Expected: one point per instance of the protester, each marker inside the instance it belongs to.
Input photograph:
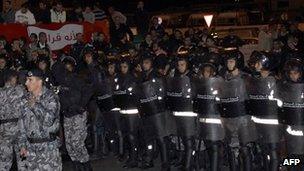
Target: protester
(8, 14)
(43, 14)
(141, 19)
(99, 14)
(25, 16)
(58, 14)
(118, 15)
(76, 15)
(88, 15)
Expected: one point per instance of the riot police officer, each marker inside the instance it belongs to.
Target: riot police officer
(210, 124)
(291, 108)
(116, 141)
(153, 111)
(239, 128)
(126, 99)
(262, 105)
(180, 102)
(74, 99)
(43, 63)
(95, 75)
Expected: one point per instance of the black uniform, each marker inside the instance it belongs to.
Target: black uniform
(180, 102)
(210, 124)
(262, 105)
(126, 100)
(239, 128)
(154, 113)
(74, 98)
(96, 77)
(291, 115)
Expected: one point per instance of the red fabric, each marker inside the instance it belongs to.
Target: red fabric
(15, 31)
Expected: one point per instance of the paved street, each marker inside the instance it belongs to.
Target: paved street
(109, 164)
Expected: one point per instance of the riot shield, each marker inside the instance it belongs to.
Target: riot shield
(292, 97)
(205, 98)
(151, 97)
(179, 94)
(262, 95)
(119, 92)
(104, 98)
(125, 92)
(232, 97)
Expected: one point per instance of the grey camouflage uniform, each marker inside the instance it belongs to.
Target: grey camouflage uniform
(9, 132)
(75, 132)
(38, 122)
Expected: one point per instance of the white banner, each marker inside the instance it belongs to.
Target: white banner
(58, 39)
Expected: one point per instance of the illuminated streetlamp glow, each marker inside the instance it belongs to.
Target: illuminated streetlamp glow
(208, 19)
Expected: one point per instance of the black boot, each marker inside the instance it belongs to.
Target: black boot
(96, 154)
(189, 144)
(147, 159)
(120, 146)
(164, 152)
(273, 160)
(76, 166)
(104, 145)
(86, 166)
(233, 159)
(165, 167)
(179, 153)
(132, 161)
(246, 158)
(214, 157)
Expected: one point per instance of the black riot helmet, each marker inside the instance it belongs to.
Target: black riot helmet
(125, 66)
(293, 70)
(88, 53)
(147, 56)
(112, 53)
(182, 52)
(69, 63)
(45, 60)
(262, 61)
(253, 59)
(213, 58)
(182, 65)
(235, 55)
(208, 69)
(9, 75)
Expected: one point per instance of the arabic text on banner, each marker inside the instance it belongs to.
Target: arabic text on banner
(58, 39)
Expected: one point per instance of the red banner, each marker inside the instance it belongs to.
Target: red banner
(15, 31)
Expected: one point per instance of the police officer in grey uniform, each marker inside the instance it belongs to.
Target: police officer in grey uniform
(239, 129)
(10, 94)
(40, 109)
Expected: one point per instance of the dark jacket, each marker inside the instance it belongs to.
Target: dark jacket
(117, 33)
(141, 18)
(74, 94)
(43, 16)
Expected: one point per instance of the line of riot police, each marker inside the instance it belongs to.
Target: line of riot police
(197, 110)
(216, 114)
